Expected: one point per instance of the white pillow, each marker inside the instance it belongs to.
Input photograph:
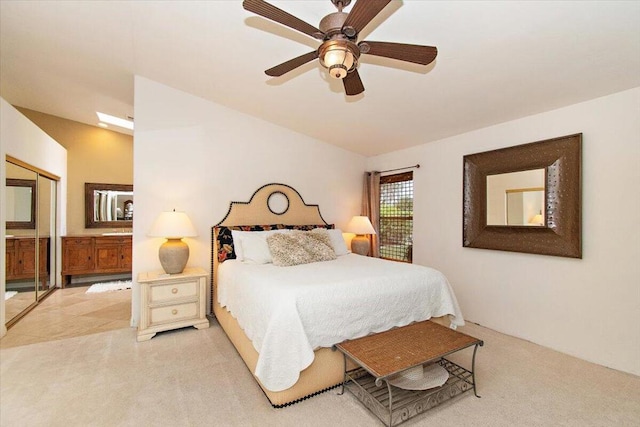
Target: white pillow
(251, 246)
(337, 241)
(255, 249)
(237, 246)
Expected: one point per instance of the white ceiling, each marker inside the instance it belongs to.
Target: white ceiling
(497, 61)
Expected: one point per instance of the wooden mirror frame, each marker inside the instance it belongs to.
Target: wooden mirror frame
(89, 189)
(24, 225)
(561, 236)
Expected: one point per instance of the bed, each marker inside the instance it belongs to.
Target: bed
(283, 321)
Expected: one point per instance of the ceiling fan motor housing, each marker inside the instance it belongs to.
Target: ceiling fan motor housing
(331, 24)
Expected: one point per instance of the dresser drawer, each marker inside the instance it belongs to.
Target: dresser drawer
(173, 313)
(172, 291)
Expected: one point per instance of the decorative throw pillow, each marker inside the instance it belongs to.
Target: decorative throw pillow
(321, 234)
(297, 248)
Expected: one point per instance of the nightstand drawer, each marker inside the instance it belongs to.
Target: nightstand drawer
(172, 291)
(173, 313)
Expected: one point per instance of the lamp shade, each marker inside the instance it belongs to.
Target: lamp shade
(172, 225)
(360, 225)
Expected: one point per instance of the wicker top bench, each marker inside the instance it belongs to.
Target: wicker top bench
(393, 351)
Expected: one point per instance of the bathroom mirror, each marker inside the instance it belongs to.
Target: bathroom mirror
(21, 204)
(559, 160)
(108, 205)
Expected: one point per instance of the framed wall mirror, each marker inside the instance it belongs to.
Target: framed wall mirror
(21, 204)
(108, 205)
(525, 198)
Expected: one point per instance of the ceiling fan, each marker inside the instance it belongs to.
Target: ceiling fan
(340, 50)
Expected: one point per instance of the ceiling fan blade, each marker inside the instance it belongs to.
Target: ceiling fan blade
(262, 8)
(352, 83)
(285, 67)
(361, 14)
(404, 52)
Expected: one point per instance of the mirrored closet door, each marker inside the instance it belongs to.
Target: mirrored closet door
(46, 235)
(30, 205)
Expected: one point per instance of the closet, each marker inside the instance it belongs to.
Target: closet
(30, 264)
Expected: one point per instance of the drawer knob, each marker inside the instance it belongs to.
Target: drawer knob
(174, 290)
(174, 311)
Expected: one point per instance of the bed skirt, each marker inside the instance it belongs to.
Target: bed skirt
(326, 371)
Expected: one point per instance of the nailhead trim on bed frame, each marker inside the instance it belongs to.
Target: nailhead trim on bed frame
(284, 405)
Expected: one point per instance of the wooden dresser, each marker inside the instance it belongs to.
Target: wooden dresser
(95, 255)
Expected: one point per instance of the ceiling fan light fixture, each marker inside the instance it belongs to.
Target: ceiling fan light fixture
(339, 62)
(338, 71)
(338, 57)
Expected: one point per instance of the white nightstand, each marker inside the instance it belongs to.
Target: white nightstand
(171, 301)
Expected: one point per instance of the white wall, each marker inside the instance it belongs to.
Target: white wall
(23, 140)
(589, 308)
(197, 156)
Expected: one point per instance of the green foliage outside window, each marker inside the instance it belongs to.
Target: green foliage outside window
(396, 220)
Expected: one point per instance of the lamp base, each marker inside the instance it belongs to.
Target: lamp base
(173, 254)
(360, 245)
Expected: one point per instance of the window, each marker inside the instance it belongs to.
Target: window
(396, 217)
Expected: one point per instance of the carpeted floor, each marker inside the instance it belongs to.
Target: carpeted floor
(195, 378)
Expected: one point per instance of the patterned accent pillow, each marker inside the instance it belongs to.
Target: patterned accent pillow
(300, 248)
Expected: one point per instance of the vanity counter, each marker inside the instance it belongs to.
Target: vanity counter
(95, 254)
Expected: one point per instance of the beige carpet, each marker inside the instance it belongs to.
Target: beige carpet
(195, 378)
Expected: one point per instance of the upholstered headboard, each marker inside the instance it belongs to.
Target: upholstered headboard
(263, 208)
(272, 206)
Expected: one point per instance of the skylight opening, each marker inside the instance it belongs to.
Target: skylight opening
(116, 121)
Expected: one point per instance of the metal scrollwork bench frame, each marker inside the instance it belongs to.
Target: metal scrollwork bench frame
(380, 356)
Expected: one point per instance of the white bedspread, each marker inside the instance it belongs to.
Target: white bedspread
(287, 312)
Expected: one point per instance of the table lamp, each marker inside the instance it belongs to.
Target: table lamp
(174, 253)
(361, 227)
